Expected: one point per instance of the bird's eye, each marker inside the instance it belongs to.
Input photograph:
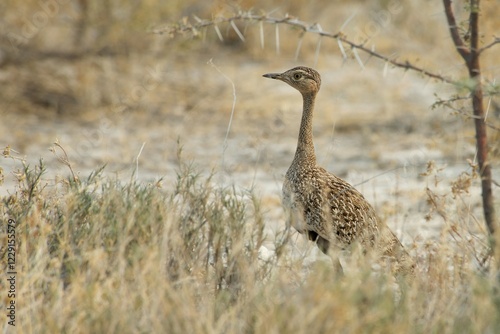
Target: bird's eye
(297, 76)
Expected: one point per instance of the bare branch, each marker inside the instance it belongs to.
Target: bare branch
(406, 65)
(306, 28)
(474, 27)
(484, 48)
(455, 35)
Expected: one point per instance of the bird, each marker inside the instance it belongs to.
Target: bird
(324, 207)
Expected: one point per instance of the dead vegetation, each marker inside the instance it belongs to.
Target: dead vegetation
(119, 249)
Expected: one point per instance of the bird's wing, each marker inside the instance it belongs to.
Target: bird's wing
(349, 215)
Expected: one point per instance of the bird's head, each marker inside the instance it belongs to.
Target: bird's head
(304, 79)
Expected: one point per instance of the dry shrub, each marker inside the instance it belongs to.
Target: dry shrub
(99, 255)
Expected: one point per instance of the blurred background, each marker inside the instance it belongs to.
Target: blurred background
(93, 76)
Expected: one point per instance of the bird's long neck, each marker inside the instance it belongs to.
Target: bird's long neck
(305, 145)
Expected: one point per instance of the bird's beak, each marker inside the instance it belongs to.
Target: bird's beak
(273, 76)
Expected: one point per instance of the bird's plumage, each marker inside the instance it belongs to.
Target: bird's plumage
(323, 206)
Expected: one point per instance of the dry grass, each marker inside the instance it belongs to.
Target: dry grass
(99, 255)
(115, 250)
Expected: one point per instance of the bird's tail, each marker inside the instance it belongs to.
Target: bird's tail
(390, 248)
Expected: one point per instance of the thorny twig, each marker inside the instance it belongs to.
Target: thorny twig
(455, 34)
(186, 27)
(484, 48)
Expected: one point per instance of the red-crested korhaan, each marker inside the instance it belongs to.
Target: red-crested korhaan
(330, 211)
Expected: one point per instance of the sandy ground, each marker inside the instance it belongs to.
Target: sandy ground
(373, 126)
